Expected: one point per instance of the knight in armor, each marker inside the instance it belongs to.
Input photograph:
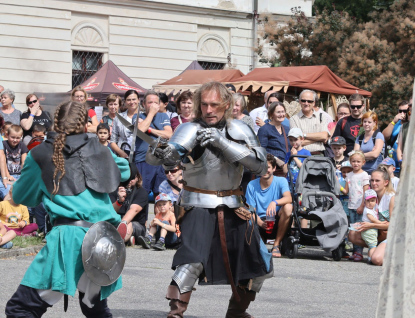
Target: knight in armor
(220, 240)
(72, 175)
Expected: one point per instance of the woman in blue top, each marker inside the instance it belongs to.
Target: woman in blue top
(63, 173)
(273, 136)
(372, 143)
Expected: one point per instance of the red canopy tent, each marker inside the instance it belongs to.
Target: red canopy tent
(319, 78)
(192, 79)
(109, 79)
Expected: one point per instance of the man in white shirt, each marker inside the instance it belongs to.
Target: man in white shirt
(318, 110)
(314, 129)
(260, 114)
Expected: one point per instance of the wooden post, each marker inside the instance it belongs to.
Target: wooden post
(333, 100)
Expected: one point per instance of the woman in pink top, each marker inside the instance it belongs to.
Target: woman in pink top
(184, 104)
(343, 110)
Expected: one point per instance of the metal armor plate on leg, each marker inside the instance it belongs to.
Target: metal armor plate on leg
(186, 276)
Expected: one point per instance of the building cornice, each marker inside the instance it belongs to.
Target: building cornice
(152, 5)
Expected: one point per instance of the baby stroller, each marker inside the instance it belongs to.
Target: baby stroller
(314, 199)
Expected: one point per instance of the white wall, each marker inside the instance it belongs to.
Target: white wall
(239, 5)
(151, 41)
(34, 50)
(284, 7)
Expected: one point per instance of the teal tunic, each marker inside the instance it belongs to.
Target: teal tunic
(58, 265)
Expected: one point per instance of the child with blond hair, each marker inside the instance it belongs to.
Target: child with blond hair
(357, 182)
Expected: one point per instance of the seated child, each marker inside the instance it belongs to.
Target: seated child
(370, 236)
(38, 134)
(5, 237)
(163, 226)
(338, 145)
(5, 130)
(389, 163)
(15, 217)
(103, 133)
(15, 152)
(296, 138)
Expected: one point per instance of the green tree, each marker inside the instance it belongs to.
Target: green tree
(357, 9)
(378, 55)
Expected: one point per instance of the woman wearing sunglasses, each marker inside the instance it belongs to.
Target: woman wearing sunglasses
(34, 115)
(172, 185)
(8, 112)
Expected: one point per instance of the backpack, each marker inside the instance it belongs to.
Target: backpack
(361, 137)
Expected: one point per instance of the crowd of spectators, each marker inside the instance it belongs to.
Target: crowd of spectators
(357, 148)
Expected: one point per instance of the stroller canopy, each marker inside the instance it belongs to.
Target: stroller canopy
(317, 173)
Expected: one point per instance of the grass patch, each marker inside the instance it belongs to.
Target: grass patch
(25, 241)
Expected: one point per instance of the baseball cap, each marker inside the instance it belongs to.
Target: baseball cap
(295, 132)
(162, 197)
(388, 162)
(346, 164)
(338, 140)
(369, 194)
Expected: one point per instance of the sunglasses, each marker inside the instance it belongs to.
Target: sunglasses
(356, 106)
(171, 171)
(307, 101)
(403, 110)
(32, 102)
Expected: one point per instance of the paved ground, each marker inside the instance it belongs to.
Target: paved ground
(311, 286)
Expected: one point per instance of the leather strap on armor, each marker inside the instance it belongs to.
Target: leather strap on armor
(222, 234)
(67, 221)
(221, 193)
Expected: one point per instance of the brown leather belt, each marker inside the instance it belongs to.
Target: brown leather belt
(222, 234)
(221, 193)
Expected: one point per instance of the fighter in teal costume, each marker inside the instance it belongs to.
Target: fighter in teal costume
(71, 174)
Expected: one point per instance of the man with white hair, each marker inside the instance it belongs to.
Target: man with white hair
(214, 149)
(313, 126)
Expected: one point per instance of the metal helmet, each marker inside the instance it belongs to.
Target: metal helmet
(103, 253)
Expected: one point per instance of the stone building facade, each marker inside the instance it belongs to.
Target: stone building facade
(50, 45)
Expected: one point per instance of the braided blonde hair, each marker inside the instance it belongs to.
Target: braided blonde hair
(70, 119)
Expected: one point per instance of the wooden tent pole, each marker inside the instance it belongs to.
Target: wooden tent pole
(333, 100)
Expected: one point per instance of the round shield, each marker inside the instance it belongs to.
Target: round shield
(103, 253)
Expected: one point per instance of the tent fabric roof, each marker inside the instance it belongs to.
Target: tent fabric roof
(319, 78)
(109, 79)
(193, 66)
(192, 79)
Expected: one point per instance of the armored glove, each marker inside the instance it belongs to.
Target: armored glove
(162, 152)
(212, 136)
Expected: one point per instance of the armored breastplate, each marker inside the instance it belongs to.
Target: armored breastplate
(211, 171)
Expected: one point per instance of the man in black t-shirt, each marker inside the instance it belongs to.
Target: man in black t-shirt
(131, 203)
(349, 127)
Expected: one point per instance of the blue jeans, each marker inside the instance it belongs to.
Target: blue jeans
(39, 213)
(170, 238)
(345, 203)
(4, 190)
(354, 217)
(152, 176)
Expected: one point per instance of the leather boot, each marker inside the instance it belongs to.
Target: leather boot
(178, 302)
(238, 309)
